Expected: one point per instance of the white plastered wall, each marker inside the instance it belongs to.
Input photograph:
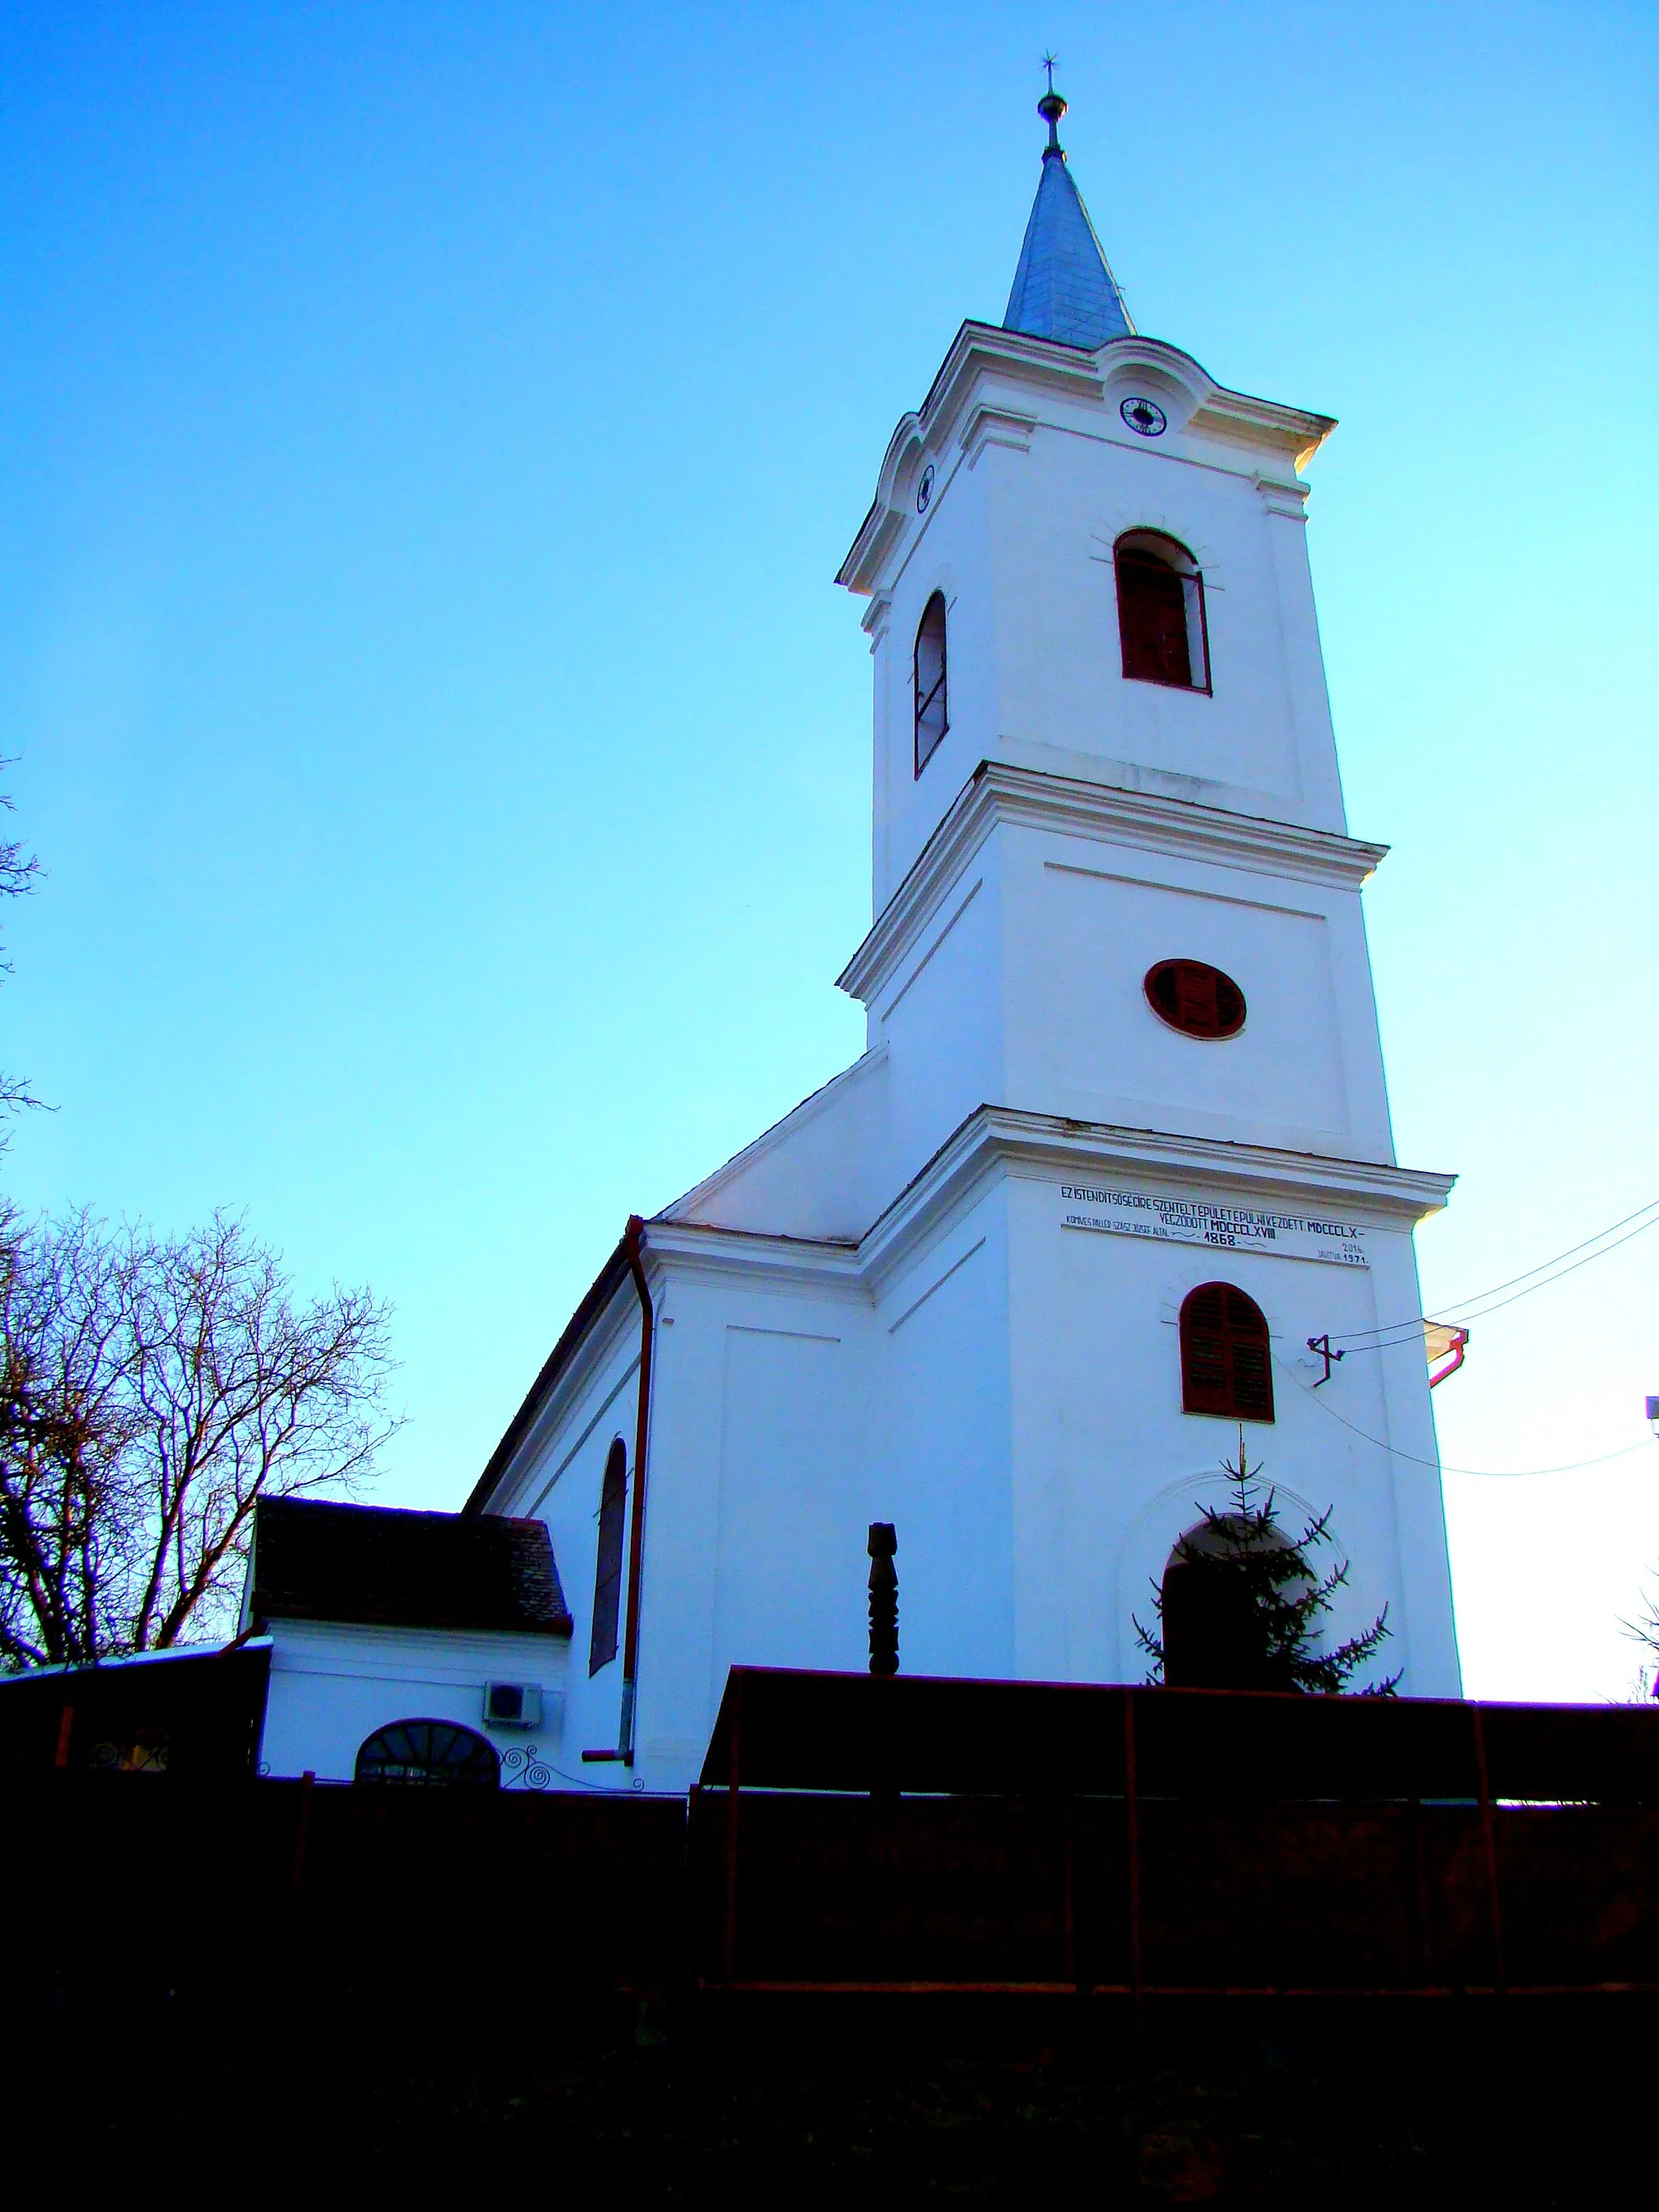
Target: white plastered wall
(1109, 1470)
(334, 1684)
(1019, 535)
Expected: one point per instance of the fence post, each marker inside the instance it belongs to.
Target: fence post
(1071, 1973)
(302, 1851)
(1489, 1836)
(1132, 1816)
(729, 1949)
(1423, 1917)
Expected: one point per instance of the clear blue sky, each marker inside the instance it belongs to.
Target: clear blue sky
(427, 437)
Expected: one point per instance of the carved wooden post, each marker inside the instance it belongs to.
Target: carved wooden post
(884, 1599)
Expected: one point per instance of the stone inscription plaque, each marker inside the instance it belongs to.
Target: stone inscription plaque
(1225, 1228)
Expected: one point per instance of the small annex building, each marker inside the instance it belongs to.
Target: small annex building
(1117, 1156)
(403, 1646)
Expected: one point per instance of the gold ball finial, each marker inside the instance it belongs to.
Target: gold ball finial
(1051, 108)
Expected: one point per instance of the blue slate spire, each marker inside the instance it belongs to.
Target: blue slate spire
(1063, 287)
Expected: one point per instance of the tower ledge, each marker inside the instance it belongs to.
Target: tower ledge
(1102, 812)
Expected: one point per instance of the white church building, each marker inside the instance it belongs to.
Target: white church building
(1117, 1150)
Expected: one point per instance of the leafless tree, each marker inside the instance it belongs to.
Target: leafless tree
(18, 871)
(151, 1390)
(1645, 1632)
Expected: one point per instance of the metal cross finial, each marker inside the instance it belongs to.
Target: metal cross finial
(1051, 108)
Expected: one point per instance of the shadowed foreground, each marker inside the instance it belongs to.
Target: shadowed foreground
(986, 2102)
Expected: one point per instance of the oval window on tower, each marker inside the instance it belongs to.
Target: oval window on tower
(1195, 999)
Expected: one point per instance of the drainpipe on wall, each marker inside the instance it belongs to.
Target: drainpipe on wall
(633, 1246)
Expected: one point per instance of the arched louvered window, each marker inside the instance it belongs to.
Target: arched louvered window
(1160, 612)
(429, 1755)
(1225, 1365)
(933, 706)
(607, 1573)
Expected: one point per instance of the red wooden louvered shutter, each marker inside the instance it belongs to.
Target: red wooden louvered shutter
(1196, 995)
(1226, 1365)
(1151, 613)
(1205, 1378)
(1196, 999)
(1229, 1004)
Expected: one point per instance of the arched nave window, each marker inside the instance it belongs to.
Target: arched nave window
(932, 719)
(1160, 612)
(429, 1755)
(607, 1572)
(1225, 1363)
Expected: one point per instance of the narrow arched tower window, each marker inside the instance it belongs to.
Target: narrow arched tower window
(1226, 1366)
(607, 1572)
(1160, 612)
(933, 712)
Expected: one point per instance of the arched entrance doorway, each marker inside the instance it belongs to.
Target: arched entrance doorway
(1212, 1624)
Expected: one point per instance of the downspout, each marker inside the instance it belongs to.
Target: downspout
(633, 1245)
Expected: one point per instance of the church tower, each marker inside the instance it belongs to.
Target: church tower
(1118, 1150)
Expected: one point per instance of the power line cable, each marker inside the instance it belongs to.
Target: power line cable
(1475, 1297)
(1484, 1474)
(1481, 1312)
(1474, 1309)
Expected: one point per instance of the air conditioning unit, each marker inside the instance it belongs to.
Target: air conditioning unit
(513, 1704)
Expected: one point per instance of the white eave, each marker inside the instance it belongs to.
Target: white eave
(1047, 1147)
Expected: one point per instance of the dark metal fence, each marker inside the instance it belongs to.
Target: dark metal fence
(906, 1835)
(855, 1833)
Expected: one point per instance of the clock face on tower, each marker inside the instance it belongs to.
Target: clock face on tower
(1145, 417)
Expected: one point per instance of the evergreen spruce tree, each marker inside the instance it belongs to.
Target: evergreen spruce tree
(1250, 1602)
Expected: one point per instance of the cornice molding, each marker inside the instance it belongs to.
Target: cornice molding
(982, 350)
(704, 1248)
(995, 426)
(992, 1140)
(1104, 814)
(1045, 1147)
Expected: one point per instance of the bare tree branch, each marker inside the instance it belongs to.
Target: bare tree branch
(151, 1390)
(18, 871)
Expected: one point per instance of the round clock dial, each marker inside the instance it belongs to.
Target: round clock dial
(925, 490)
(1145, 417)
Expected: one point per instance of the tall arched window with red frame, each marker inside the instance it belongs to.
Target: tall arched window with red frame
(1162, 624)
(1226, 1364)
